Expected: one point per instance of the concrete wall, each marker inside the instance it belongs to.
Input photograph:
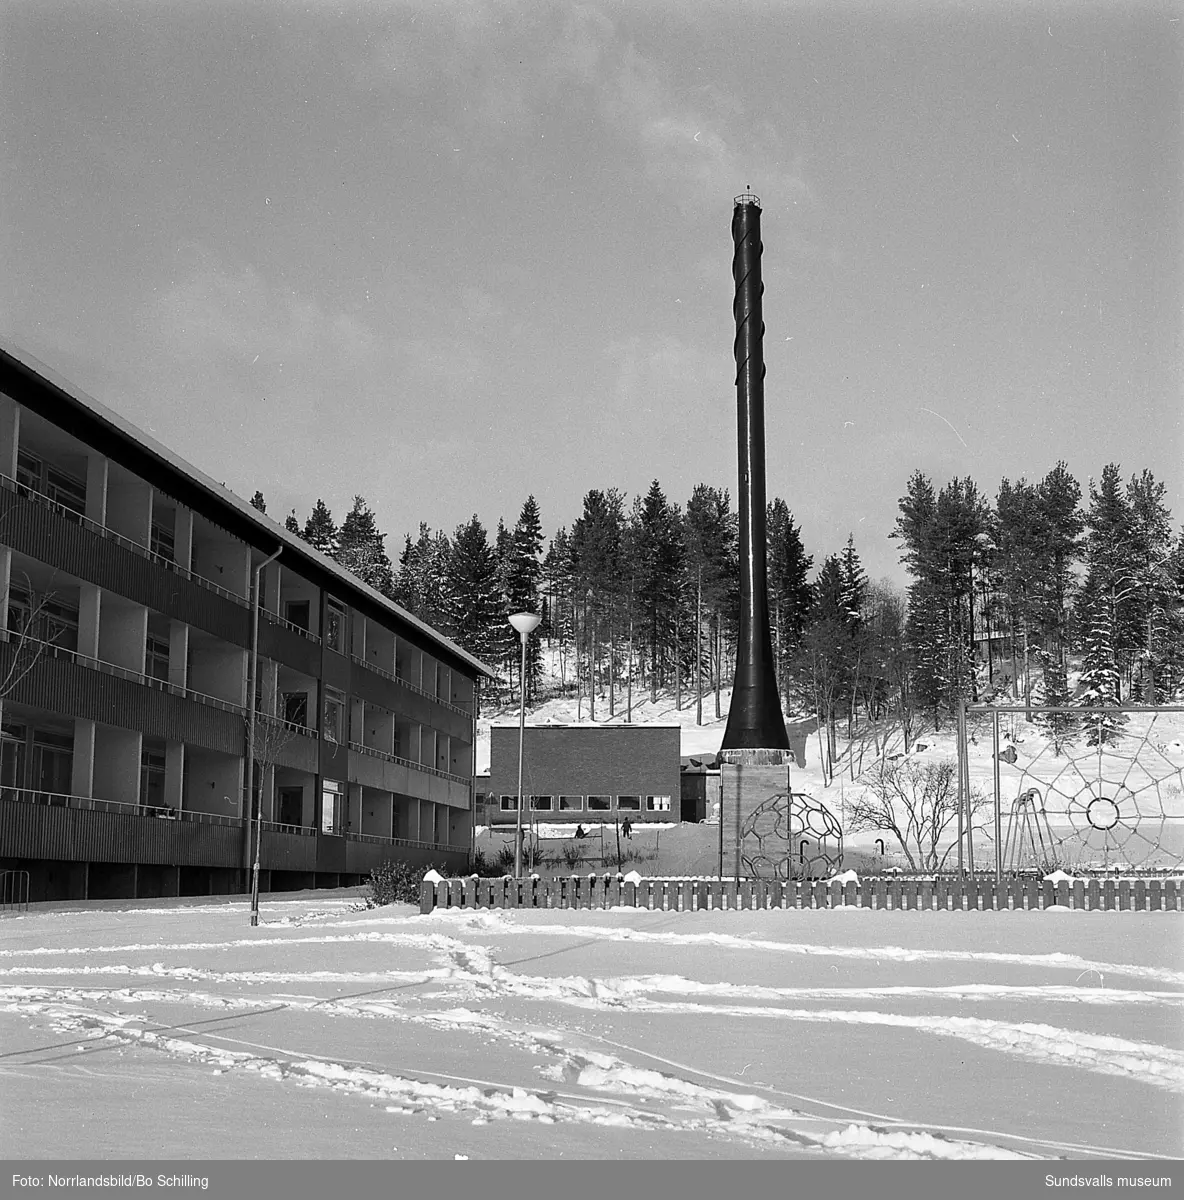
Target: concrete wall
(218, 669)
(117, 764)
(129, 506)
(123, 632)
(213, 782)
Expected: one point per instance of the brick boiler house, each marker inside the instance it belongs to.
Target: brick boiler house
(583, 773)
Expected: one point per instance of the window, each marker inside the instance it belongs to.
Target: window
(28, 470)
(296, 708)
(65, 490)
(571, 803)
(291, 806)
(657, 804)
(333, 716)
(60, 623)
(156, 658)
(12, 755)
(541, 803)
(509, 804)
(53, 761)
(629, 803)
(61, 487)
(20, 606)
(599, 803)
(152, 779)
(163, 540)
(332, 807)
(296, 613)
(335, 626)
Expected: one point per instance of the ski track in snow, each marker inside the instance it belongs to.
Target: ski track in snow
(590, 1087)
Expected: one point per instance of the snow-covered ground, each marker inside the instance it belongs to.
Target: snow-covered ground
(334, 1032)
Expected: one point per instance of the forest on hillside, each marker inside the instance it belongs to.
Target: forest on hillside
(1046, 594)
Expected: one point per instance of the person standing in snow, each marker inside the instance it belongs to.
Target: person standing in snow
(627, 828)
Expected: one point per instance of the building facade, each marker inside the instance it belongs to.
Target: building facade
(127, 627)
(583, 774)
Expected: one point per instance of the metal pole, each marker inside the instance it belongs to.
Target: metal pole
(998, 799)
(252, 676)
(961, 718)
(521, 739)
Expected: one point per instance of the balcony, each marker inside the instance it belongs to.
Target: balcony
(76, 518)
(411, 687)
(46, 825)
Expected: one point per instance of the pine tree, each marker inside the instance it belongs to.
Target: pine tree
(558, 578)
(292, 525)
(711, 575)
(258, 502)
(320, 532)
(596, 545)
(361, 548)
(1061, 527)
(1149, 566)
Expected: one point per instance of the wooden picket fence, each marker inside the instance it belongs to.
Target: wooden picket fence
(704, 895)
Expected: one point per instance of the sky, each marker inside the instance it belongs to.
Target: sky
(446, 255)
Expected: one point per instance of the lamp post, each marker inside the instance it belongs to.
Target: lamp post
(525, 623)
(254, 675)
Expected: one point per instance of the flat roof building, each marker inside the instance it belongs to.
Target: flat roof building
(584, 773)
(125, 659)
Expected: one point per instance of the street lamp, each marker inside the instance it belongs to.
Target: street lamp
(525, 623)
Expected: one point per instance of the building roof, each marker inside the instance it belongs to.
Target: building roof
(240, 517)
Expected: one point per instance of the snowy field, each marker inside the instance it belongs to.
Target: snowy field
(332, 1032)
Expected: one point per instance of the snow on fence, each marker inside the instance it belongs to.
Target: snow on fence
(702, 895)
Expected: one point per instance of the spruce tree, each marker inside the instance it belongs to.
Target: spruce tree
(790, 596)
(361, 548)
(523, 575)
(474, 600)
(258, 502)
(320, 531)
(292, 525)
(659, 562)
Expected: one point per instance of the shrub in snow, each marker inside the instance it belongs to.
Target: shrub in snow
(397, 883)
(632, 877)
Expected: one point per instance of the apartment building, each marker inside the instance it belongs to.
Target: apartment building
(131, 633)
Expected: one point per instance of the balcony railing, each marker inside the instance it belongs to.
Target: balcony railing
(63, 800)
(276, 619)
(106, 668)
(406, 762)
(21, 489)
(164, 812)
(411, 687)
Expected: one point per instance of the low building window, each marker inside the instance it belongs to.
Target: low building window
(571, 803)
(509, 804)
(541, 803)
(599, 803)
(657, 804)
(629, 803)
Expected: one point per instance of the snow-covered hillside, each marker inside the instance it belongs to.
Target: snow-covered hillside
(1122, 805)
